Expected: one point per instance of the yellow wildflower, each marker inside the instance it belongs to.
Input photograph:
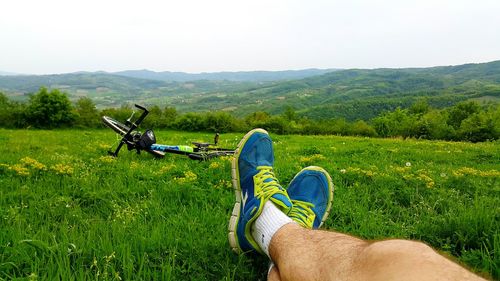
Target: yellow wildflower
(367, 173)
(30, 162)
(104, 146)
(223, 184)
(490, 173)
(62, 169)
(429, 182)
(473, 172)
(165, 168)
(214, 165)
(188, 177)
(354, 170)
(19, 170)
(401, 170)
(464, 171)
(134, 165)
(107, 159)
(226, 158)
(312, 158)
(408, 177)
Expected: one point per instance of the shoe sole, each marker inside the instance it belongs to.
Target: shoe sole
(331, 188)
(235, 175)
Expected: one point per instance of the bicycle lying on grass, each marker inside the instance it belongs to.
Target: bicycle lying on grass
(137, 141)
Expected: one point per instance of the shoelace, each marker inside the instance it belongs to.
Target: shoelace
(267, 187)
(302, 213)
(267, 182)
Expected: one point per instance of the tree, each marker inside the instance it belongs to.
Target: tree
(87, 114)
(361, 128)
(190, 122)
(121, 114)
(4, 110)
(290, 114)
(257, 119)
(154, 119)
(460, 112)
(396, 123)
(169, 115)
(433, 125)
(420, 107)
(276, 124)
(49, 110)
(219, 122)
(477, 127)
(495, 118)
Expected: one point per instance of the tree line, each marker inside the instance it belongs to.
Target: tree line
(464, 121)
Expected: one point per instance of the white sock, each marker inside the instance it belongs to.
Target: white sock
(267, 224)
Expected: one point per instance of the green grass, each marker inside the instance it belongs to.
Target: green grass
(69, 212)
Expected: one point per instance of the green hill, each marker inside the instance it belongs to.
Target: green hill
(363, 94)
(109, 90)
(351, 94)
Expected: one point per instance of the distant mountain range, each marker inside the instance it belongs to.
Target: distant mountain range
(168, 76)
(351, 94)
(111, 89)
(240, 76)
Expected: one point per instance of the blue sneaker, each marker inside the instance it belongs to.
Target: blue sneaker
(254, 184)
(311, 191)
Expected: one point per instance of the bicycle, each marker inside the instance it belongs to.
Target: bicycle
(135, 140)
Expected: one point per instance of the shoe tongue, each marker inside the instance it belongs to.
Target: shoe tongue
(281, 200)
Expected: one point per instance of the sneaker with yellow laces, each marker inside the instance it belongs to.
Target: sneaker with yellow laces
(311, 191)
(255, 184)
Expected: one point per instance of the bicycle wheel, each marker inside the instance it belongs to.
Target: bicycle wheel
(116, 126)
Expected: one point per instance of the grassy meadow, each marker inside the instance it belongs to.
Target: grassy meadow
(70, 212)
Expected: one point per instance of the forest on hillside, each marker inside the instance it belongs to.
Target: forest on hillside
(468, 120)
(354, 94)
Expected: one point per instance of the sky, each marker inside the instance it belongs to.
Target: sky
(60, 36)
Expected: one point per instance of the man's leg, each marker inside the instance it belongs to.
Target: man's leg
(303, 254)
(311, 192)
(273, 274)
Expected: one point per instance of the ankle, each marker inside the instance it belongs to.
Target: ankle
(270, 221)
(280, 243)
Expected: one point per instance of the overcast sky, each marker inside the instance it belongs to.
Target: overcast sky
(58, 36)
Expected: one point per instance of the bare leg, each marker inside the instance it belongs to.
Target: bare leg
(274, 274)
(303, 254)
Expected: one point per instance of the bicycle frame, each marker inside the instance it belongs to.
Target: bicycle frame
(133, 139)
(128, 138)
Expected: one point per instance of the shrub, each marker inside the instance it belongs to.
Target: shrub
(49, 110)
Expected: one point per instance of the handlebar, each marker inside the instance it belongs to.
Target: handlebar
(128, 138)
(141, 107)
(144, 113)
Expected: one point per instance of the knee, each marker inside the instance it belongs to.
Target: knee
(397, 245)
(397, 250)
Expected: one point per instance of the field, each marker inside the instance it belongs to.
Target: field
(69, 212)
